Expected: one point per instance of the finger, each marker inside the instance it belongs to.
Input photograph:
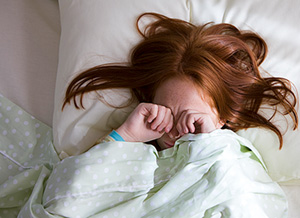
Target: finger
(190, 121)
(181, 124)
(174, 134)
(170, 124)
(152, 110)
(167, 122)
(159, 117)
(206, 124)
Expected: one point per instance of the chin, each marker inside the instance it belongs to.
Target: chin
(165, 146)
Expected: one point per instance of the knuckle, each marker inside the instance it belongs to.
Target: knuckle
(161, 107)
(155, 106)
(142, 105)
(163, 123)
(190, 119)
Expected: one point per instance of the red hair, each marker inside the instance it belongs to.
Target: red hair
(221, 59)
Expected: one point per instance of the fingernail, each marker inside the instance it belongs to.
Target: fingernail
(171, 135)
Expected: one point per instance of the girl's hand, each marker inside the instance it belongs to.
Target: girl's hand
(191, 121)
(147, 122)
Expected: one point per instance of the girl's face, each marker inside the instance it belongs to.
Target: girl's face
(180, 94)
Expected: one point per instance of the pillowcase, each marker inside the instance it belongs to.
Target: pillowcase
(97, 31)
(277, 22)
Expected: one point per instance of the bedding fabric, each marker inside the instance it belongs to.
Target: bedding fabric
(206, 175)
(26, 159)
(99, 32)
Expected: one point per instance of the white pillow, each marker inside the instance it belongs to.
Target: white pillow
(94, 32)
(101, 31)
(278, 23)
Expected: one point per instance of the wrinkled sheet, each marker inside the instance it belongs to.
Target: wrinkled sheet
(205, 175)
(27, 157)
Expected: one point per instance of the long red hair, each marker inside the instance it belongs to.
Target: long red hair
(221, 59)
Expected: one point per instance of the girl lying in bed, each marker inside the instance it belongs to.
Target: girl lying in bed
(191, 79)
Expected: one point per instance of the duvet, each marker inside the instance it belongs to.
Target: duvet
(205, 175)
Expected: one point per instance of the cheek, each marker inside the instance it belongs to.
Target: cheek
(216, 116)
(213, 113)
(217, 121)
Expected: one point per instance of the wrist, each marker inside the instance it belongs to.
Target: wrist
(126, 136)
(116, 136)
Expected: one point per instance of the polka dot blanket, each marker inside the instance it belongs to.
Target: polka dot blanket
(206, 175)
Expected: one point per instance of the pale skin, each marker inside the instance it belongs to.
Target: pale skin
(179, 107)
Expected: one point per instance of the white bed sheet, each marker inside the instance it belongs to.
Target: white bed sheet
(29, 39)
(293, 196)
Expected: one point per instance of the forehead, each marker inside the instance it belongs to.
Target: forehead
(180, 94)
(177, 89)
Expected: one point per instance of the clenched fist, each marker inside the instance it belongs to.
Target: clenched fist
(147, 122)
